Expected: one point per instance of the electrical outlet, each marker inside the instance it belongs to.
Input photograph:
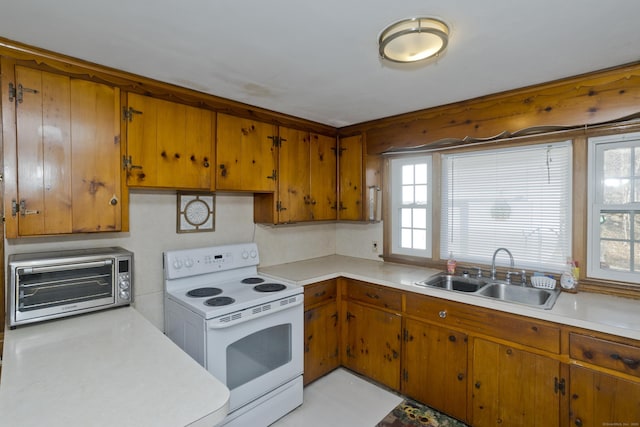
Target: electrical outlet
(374, 246)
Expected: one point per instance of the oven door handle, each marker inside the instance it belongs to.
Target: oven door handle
(63, 267)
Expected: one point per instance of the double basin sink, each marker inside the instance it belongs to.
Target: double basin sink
(494, 289)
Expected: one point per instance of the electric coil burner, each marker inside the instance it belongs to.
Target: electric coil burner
(203, 292)
(244, 328)
(269, 287)
(219, 301)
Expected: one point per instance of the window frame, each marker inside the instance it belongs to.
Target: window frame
(595, 148)
(395, 182)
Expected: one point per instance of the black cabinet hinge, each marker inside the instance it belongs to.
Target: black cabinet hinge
(127, 113)
(277, 141)
(559, 385)
(16, 93)
(279, 207)
(273, 176)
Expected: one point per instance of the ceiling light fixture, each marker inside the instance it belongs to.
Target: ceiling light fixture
(413, 39)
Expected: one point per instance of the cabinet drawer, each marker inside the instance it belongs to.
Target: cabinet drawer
(317, 293)
(373, 294)
(608, 354)
(510, 327)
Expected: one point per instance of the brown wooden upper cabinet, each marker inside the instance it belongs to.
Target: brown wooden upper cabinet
(62, 153)
(350, 180)
(306, 188)
(169, 145)
(245, 155)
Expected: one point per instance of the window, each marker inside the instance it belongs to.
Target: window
(411, 206)
(614, 208)
(516, 198)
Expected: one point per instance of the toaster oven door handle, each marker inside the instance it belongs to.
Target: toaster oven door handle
(63, 267)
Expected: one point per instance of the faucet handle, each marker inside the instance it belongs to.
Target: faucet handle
(511, 273)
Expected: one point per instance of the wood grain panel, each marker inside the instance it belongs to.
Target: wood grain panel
(323, 171)
(244, 154)
(95, 157)
(513, 387)
(525, 331)
(350, 181)
(435, 366)
(293, 176)
(598, 399)
(591, 98)
(605, 353)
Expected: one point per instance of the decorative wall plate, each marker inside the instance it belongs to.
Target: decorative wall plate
(195, 212)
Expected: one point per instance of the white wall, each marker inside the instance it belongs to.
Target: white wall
(153, 230)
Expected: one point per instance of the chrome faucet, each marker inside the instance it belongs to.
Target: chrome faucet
(493, 261)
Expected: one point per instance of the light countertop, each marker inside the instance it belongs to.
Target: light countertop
(108, 368)
(603, 313)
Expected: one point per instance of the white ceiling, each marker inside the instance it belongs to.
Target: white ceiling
(318, 60)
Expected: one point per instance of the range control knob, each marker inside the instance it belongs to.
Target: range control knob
(245, 255)
(253, 253)
(177, 264)
(188, 262)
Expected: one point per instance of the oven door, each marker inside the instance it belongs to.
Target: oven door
(254, 357)
(50, 291)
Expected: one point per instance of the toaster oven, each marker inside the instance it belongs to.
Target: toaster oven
(49, 285)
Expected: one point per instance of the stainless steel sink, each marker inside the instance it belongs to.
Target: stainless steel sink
(501, 291)
(454, 283)
(542, 298)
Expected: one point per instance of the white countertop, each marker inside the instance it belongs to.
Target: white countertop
(109, 368)
(603, 313)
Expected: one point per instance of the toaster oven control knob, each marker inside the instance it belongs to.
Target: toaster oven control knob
(124, 284)
(124, 295)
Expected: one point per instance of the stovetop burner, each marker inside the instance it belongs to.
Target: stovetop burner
(219, 301)
(204, 292)
(269, 287)
(252, 280)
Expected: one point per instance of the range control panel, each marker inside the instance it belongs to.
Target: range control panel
(192, 262)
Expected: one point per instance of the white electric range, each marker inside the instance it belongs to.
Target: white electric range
(243, 327)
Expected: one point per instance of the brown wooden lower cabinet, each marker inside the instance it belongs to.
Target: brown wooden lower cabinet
(371, 343)
(435, 367)
(321, 330)
(599, 399)
(512, 387)
(484, 367)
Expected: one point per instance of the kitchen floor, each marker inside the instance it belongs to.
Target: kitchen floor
(341, 399)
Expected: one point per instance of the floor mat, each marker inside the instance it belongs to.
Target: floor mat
(410, 413)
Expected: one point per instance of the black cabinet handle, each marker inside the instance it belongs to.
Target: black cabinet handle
(373, 296)
(631, 363)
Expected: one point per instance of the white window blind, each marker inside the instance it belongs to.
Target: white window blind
(411, 206)
(516, 198)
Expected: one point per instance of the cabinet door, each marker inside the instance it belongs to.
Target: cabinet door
(321, 354)
(67, 156)
(323, 176)
(170, 144)
(293, 176)
(435, 367)
(513, 387)
(371, 343)
(350, 179)
(598, 399)
(246, 155)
